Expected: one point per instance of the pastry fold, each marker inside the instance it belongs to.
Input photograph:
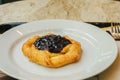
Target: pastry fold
(69, 54)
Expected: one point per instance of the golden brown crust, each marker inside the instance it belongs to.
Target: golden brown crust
(71, 53)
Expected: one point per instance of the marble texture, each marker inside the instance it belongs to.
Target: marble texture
(82, 10)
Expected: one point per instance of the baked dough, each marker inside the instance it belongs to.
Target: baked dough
(69, 54)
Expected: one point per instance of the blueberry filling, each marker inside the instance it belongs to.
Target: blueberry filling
(52, 43)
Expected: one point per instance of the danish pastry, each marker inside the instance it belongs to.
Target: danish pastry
(52, 50)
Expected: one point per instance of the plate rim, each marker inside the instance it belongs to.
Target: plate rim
(17, 27)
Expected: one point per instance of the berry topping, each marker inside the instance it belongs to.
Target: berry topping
(52, 43)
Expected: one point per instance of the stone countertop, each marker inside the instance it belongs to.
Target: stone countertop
(82, 10)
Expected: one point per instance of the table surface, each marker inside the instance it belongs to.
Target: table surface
(80, 10)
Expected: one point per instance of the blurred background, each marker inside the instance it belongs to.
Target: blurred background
(80, 10)
(6, 1)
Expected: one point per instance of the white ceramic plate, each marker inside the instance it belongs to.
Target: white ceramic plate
(99, 51)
